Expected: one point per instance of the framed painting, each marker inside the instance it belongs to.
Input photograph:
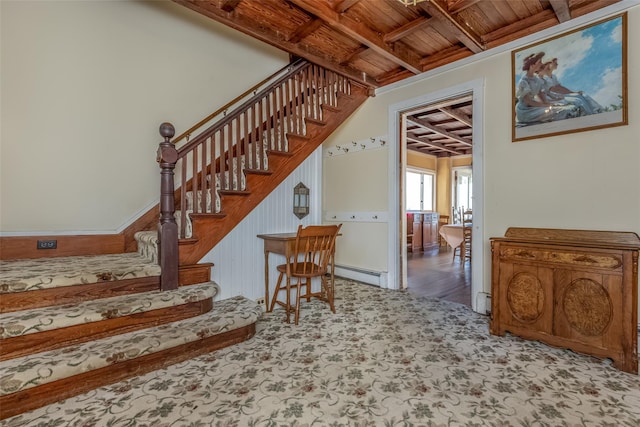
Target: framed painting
(573, 82)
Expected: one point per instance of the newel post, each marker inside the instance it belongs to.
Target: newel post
(168, 228)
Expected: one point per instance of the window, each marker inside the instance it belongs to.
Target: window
(420, 190)
(462, 187)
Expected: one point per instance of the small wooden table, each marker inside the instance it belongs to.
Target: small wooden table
(278, 243)
(282, 244)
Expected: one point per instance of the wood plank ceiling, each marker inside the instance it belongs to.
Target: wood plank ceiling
(379, 42)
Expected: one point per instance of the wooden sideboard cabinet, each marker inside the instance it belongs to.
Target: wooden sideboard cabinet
(425, 230)
(569, 288)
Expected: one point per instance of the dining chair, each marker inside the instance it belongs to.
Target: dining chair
(314, 248)
(465, 217)
(442, 220)
(455, 215)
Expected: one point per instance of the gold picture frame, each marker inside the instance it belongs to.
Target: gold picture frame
(573, 82)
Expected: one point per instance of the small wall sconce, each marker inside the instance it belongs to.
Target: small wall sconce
(300, 200)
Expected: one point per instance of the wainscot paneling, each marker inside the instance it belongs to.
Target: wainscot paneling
(239, 258)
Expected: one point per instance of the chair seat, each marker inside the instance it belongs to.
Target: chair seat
(302, 269)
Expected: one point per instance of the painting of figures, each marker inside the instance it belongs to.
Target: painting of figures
(573, 82)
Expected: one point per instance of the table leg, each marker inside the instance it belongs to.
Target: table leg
(266, 280)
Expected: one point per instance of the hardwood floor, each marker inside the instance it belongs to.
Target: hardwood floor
(434, 274)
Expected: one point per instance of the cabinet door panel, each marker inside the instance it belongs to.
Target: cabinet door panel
(527, 297)
(585, 312)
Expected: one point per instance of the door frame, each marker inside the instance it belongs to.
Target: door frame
(397, 254)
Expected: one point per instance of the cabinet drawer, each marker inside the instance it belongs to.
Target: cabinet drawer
(573, 258)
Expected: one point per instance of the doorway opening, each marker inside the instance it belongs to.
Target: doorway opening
(401, 135)
(440, 143)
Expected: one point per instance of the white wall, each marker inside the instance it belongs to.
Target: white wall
(85, 86)
(587, 180)
(353, 183)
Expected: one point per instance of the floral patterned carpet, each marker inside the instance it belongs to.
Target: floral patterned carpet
(386, 358)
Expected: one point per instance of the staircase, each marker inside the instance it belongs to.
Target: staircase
(72, 324)
(231, 166)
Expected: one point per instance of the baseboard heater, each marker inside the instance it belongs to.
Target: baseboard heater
(370, 277)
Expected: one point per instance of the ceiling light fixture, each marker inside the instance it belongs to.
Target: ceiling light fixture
(411, 2)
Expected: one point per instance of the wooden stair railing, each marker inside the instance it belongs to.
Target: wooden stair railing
(216, 160)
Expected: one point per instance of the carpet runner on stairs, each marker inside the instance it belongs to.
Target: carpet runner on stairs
(53, 352)
(45, 273)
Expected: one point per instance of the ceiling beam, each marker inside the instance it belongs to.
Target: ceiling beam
(465, 35)
(416, 139)
(359, 32)
(215, 12)
(406, 29)
(345, 5)
(460, 5)
(445, 56)
(462, 118)
(304, 30)
(521, 28)
(394, 75)
(425, 124)
(561, 9)
(355, 54)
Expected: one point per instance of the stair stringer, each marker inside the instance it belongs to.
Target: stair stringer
(210, 229)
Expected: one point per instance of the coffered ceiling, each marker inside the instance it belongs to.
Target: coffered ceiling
(379, 42)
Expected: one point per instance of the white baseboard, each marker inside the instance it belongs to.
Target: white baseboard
(483, 303)
(377, 278)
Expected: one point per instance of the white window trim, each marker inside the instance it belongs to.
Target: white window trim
(433, 183)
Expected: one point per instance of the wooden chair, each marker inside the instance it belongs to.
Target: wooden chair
(442, 220)
(409, 232)
(455, 215)
(466, 215)
(465, 246)
(314, 249)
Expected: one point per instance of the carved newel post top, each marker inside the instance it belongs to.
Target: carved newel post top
(167, 130)
(167, 153)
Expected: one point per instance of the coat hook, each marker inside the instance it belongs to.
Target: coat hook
(375, 217)
(354, 143)
(353, 217)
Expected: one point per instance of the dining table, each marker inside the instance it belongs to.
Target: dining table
(453, 234)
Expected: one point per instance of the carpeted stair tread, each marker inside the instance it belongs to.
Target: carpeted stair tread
(30, 371)
(46, 273)
(36, 320)
(148, 242)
